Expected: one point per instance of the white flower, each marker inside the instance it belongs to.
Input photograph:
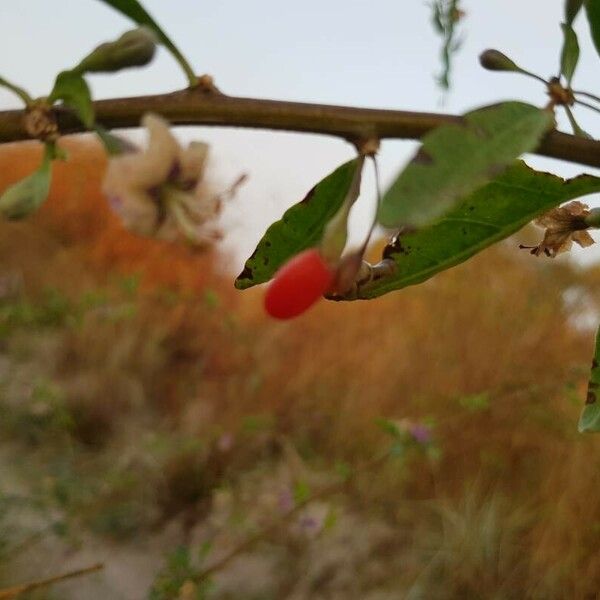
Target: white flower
(157, 192)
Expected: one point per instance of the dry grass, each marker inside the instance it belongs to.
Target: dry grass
(484, 351)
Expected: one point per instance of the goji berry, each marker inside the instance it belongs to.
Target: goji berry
(298, 284)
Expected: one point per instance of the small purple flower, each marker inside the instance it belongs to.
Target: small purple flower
(420, 433)
(310, 525)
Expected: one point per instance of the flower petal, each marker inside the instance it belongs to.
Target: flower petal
(583, 238)
(161, 154)
(192, 161)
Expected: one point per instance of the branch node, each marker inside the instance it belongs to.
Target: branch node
(560, 95)
(367, 146)
(206, 85)
(39, 122)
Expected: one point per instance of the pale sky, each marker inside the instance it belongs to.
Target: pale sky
(372, 53)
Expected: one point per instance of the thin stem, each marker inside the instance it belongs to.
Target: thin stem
(379, 195)
(576, 129)
(197, 107)
(587, 95)
(18, 590)
(185, 66)
(532, 75)
(19, 91)
(590, 106)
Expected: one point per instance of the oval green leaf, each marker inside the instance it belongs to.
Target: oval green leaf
(592, 9)
(72, 89)
(26, 196)
(301, 227)
(455, 160)
(570, 52)
(489, 215)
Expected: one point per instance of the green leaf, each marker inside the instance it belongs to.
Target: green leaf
(301, 227)
(137, 13)
(572, 8)
(570, 52)
(592, 8)
(489, 215)
(72, 89)
(27, 195)
(301, 491)
(589, 421)
(455, 160)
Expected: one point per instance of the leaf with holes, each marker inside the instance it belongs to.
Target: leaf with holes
(589, 421)
(489, 215)
(301, 227)
(455, 160)
(72, 89)
(137, 13)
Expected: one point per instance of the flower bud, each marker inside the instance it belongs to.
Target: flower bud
(592, 219)
(494, 60)
(134, 48)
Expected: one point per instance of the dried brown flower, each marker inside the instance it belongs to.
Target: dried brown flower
(564, 225)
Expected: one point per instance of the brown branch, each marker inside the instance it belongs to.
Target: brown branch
(202, 106)
(18, 590)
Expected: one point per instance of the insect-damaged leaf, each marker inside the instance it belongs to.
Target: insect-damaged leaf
(589, 421)
(490, 214)
(456, 159)
(301, 226)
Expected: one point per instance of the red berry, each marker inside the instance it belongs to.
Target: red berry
(298, 284)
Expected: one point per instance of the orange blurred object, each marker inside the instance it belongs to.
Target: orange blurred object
(77, 213)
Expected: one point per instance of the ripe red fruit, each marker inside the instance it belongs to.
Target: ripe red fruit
(298, 284)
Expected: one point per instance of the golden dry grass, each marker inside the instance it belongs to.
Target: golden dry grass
(485, 351)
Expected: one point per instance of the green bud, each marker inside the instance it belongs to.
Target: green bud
(593, 218)
(134, 48)
(494, 60)
(24, 197)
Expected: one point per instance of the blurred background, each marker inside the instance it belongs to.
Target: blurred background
(152, 418)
